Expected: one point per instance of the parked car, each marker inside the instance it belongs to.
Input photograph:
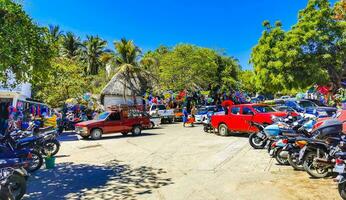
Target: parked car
(202, 112)
(167, 115)
(239, 118)
(310, 107)
(155, 122)
(114, 121)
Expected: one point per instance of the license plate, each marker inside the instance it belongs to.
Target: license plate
(339, 168)
(301, 153)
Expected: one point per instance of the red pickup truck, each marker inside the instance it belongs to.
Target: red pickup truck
(114, 122)
(238, 118)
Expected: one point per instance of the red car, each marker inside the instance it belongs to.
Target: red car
(239, 116)
(114, 122)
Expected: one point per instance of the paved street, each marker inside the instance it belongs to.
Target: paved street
(172, 163)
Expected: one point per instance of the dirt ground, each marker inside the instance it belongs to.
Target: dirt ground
(172, 163)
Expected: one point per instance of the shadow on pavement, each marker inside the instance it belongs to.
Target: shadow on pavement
(110, 181)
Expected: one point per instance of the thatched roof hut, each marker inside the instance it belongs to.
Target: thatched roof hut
(122, 90)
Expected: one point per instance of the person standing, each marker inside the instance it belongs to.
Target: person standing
(185, 116)
(193, 111)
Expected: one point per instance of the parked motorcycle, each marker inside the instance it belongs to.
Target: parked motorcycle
(13, 178)
(321, 148)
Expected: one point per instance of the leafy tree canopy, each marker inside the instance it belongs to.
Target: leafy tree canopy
(25, 51)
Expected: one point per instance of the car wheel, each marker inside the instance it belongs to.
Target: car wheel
(136, 131)
(96, 134)
(152, 125)
(223, 130)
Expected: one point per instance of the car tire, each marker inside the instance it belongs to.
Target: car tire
(152, 125)
(96, 134)
(137, 130)
(223, 130)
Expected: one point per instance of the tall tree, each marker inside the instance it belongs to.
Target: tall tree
(93, 48)
(55, 32)
(316, 45)
(267, 60)
(71, 45)
(25, 53)
(126, 60)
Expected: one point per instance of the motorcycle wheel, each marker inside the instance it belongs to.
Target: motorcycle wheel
(313, 171)
(17, 186)
(256, 142)
(205, 128)
(279, 159)
(36, 163)
(293, 161)
(51, 147)
(342, 190)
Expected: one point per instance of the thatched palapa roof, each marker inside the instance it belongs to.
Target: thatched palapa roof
(134, 86)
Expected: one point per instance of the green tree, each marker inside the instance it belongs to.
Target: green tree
(267, 60)
(246, 78)
(315, 46)
(55, 32)
(71, 46)
(93, 48)
(126, 60)
(23, 46)
(188, 67)
(64, 82)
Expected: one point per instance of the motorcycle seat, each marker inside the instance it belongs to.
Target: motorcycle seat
(45, 129)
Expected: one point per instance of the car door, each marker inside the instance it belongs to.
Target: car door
(234, 119)
(113, 123)
(247, 115)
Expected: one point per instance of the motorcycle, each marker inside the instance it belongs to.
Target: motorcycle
(10, 148)
(321, 148)
(42, 140)
(13, 178)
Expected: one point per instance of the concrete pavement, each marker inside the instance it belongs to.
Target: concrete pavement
(172, 163)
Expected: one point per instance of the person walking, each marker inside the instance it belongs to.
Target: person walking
(185, 116)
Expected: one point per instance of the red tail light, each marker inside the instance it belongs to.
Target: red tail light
(29, 156)
(285, 141)
(274, 144)
(339, 161)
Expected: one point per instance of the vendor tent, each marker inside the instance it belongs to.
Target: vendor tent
(124, 90)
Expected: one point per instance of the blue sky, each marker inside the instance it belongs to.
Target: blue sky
(231, 25)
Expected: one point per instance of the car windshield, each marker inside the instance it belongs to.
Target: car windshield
(103, 116)
(263, 109)
(161, 107)
(306, 104)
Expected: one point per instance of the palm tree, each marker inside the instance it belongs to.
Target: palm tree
(126, 59)
(55, 32)
(71, 45)
(93, 48)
